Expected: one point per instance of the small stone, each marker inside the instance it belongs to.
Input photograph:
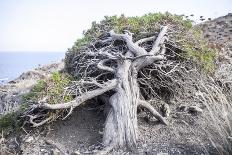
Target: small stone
(142, 114)
(101, 132)
(230, 139)
(182, 108)
(76, 153)
(161, 153)
(144, 145)
(56, 152)
(42, 150)
(29, 139)
(195, 110)
(166, 110)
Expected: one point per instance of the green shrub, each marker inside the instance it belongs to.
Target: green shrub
(187, 37)
(149, 24)
(7, 121)
(134, 24)
(35, 93)
(52, 87)
(55, 91)
(198, 51)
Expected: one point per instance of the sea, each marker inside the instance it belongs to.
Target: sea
(13, 64)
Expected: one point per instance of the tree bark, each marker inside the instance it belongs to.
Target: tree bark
(121, 124)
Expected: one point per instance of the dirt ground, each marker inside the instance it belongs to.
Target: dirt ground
(81, 132)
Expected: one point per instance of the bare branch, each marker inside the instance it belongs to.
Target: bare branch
(69, 113)
(133, 47)
(80, 99)
(159, 41)
(140, 63)
(157, 53)
(101, 65)
(145, 40)
(34, 124)
(150, 108)
(102, 52)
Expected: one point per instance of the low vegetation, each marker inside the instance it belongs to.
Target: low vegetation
(187, 37)
(7, 121)
(53, 88)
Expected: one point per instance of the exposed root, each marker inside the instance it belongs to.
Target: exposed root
(34, 124)
(69, 113)
(149, 107)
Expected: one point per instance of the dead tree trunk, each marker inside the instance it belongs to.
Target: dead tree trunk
(121, 124)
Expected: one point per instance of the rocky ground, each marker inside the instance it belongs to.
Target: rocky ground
(191, 129)
(10, 93)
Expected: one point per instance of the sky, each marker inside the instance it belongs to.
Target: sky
(54, 25)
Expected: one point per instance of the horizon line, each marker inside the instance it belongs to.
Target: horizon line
(31, 51)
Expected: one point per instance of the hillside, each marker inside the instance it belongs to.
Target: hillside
(219, 34)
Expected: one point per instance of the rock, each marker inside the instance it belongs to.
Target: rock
(195, 110)
(182, 108)
(150, 119)
(166, 110)
(76, 153)
(29, 139)
(43, 150)
(161, 153)
(56, 152)
(142, 114)
(230, 139)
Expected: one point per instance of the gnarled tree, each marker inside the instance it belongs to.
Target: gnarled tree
(126, 61)
(123, 62)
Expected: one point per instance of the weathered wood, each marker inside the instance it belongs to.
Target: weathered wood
(121, 125)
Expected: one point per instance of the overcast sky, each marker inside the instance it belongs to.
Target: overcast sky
(54, 25)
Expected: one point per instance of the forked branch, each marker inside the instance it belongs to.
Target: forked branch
(133, 47)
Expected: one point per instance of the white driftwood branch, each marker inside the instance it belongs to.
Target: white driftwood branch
(133, 47)
(80, 99)
(159, 41)
(150, 108)
(145, 40)
(102, 52)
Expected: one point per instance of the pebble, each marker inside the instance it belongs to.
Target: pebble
(29, 139)
(161, 153)
(56, 152)
(195, 109)
(42, 150)
(76, 153)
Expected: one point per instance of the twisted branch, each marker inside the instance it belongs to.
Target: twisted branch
(82, 98)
